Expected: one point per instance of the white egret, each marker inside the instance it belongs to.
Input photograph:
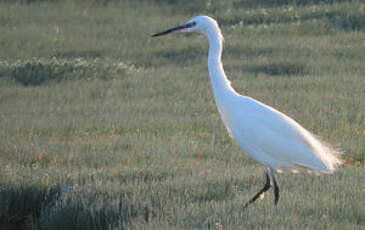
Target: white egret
(265, 134)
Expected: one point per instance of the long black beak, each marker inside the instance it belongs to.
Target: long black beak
(177, 28)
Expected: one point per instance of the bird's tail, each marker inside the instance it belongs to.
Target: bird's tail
(329, 156)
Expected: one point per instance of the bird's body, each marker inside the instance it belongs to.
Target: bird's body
(290, 144)
(268, 136)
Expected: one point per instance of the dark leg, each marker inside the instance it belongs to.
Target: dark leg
(276, 186)
(264, 189)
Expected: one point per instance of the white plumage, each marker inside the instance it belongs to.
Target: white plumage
(265, 134)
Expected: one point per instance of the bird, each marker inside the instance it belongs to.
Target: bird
(265, 134)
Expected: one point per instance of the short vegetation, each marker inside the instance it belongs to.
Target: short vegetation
(104, 127)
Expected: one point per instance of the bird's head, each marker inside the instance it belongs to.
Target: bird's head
(202, 24)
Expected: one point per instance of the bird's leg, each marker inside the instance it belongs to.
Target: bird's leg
(276, 186)
(264, 189)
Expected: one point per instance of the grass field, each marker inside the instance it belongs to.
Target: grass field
(88, 99)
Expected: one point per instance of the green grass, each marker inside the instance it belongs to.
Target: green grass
(88, 98)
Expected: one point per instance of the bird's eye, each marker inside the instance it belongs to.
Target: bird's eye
(189, 25)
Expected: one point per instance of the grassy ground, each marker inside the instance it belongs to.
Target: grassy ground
(88, 99)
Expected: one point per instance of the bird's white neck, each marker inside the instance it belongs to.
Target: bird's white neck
(220, 84)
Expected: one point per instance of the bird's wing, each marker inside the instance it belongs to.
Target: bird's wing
(280, 137)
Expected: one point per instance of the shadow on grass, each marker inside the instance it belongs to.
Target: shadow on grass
(280, 69)
(19, 202)
(350, 22)
(37, 206)
(38, 71)
(182, 56)
(77, 211)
